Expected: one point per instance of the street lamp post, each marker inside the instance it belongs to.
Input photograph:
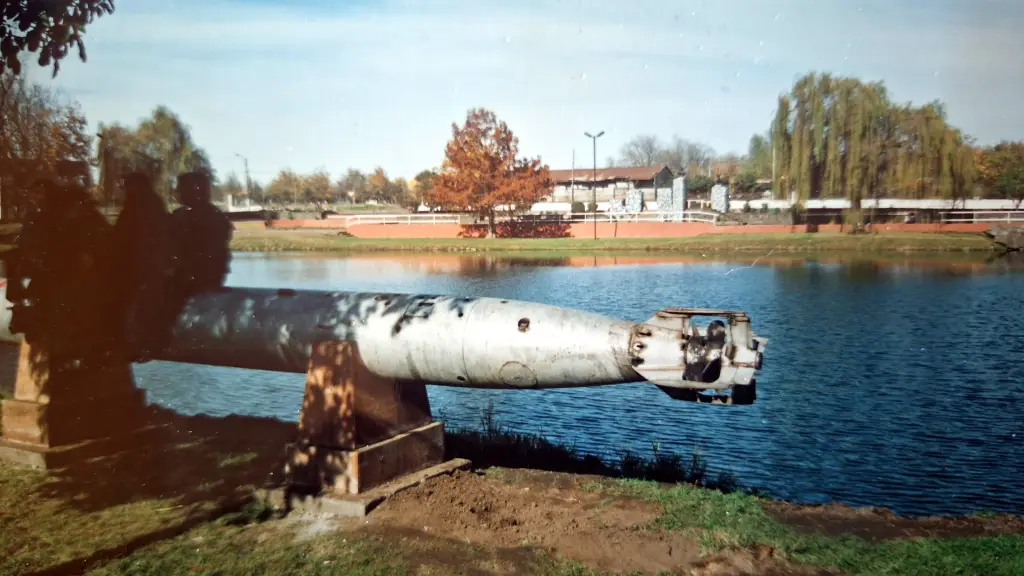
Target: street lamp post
(593, 181)
(248, 185)
(105, 177)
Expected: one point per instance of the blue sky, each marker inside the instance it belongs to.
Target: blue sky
(339, 84)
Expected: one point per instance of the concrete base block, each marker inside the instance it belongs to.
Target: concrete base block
(354, 505)
(340, 472)
(61, 422)
(41, 457)
(357, 430)
(56, 416)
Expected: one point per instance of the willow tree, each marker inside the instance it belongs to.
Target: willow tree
(161, 146)
(841, 137)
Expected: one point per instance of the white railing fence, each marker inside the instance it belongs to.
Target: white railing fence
(437, 218)
(687, 216)
(449, 218)
(983, 216)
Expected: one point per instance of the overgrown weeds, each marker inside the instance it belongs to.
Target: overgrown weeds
(493, 444)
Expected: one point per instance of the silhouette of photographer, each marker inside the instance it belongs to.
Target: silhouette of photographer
(200, 239)
(60, 281)
(142, 251)
(71, 272)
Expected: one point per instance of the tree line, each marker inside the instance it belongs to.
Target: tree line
(831, 137)
(354, 186)
(839, 137)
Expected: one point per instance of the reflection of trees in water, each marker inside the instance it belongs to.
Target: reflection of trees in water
(316, 269)
(812, 272)
(492, 265)
(1007, 261)
(295, 271)
(855, 270)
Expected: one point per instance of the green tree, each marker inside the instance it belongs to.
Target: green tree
(840, 137)
(233, 185)
(1011, 184)
(398, 192)
(425, 180)
(316, 187)
(699, 184)
(378, 185)
(745, 182)
(285, 187)
(353, 186)
(256, 192)
(50, 28)
(1000, 170)
(419, 188)
(161, 146)
(759, 156)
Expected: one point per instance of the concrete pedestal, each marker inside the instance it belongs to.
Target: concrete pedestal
(54, 414)
(358, 431)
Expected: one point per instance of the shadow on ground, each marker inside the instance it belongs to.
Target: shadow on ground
(190, 459)
(119, 496)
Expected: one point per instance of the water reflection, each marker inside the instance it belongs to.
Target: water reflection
(886, 382)
(321, 267)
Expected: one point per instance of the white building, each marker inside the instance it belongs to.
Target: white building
(578, 185)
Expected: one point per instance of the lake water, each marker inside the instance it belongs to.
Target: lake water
(885, 384)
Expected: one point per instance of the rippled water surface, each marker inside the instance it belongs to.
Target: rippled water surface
(885, 385)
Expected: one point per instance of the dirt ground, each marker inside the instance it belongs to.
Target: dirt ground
(472, 523)
(496, 523)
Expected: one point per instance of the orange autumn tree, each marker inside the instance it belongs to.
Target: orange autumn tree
(483, 173)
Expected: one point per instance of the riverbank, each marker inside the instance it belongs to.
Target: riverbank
(176, 505)
(254, 240)
(255, 237)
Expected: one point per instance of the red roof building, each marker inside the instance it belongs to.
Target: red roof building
(577, 185)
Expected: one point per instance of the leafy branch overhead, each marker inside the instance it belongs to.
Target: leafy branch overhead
(49, 27)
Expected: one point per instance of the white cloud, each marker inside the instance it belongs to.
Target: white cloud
(305, 84)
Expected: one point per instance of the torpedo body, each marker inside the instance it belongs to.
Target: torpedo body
(470, 342)
(466, 342)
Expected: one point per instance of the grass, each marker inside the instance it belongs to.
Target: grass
(254, 237)
(184, 474)
(37, 532)
(215, 549)
(723, 516)
(737, 519)
(43, 528)
(289, 241)
(281, 547)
